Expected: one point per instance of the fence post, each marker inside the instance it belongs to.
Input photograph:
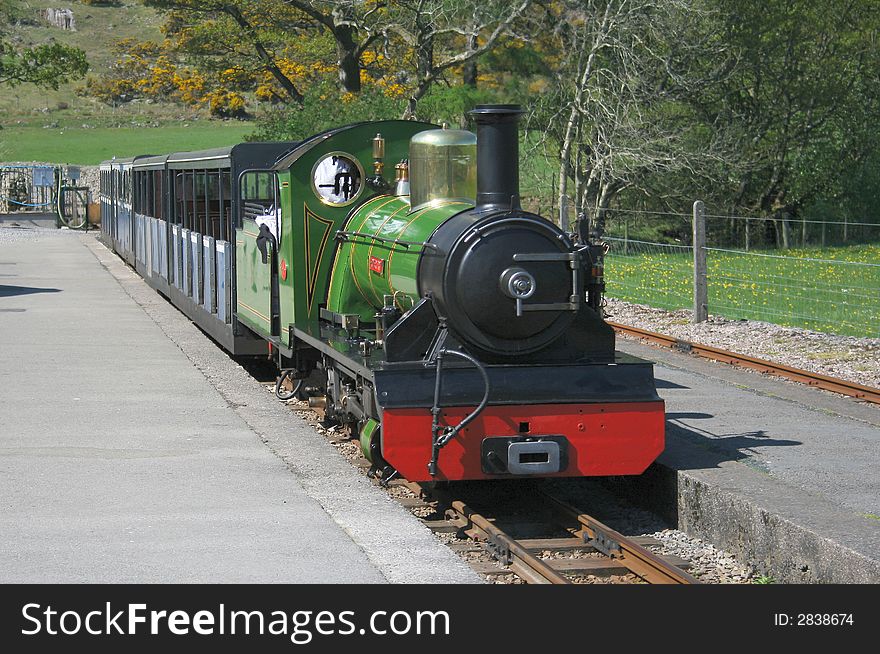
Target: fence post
(701, 289)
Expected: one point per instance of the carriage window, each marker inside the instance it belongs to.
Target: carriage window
(138, 200)
(212, 203)
(157, 191)
(199, 201)
(226, 227)
(337, 179)
(182, 188)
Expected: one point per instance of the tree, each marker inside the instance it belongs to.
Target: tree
(230, 33)
(806, 74)
(612, 115)
(47, 66)
(256, 34)
(354, 26)
(445, 34)
(801, 100)
(280, 51)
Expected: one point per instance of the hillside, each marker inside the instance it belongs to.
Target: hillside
(62, 126)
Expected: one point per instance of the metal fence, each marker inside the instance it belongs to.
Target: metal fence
(827, 279)
(27, 188)
(44, 189)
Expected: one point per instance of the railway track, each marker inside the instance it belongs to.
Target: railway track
(851, 389)
(589, 548)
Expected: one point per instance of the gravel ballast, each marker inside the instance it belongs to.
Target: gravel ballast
(845, 357)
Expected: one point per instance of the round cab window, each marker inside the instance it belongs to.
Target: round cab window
(337, 179)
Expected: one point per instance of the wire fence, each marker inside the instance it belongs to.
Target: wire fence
(657, 274)
(826, 279)
(26, 188)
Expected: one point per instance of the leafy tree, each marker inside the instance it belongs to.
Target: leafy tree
(240, 33)
(273, 50)
(354, 25)
(259, 35)
(442, 35)
(44, 65)
(48, 65)
(612, 113)
(764, 107)
(803, 96)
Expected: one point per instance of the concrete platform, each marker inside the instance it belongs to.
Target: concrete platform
(133, 450)
(781, 474)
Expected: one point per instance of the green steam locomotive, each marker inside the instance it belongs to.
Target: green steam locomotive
(457, 335)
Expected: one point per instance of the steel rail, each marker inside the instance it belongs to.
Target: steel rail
(522, 562)
(502, 546)
(637, 559)
(833, 384)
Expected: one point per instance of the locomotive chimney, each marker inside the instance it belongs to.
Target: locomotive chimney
(497, 155)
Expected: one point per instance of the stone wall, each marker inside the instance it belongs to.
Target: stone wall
(90, 176)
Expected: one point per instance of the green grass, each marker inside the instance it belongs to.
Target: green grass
(62, 127)
(91, 146)
(811, 288)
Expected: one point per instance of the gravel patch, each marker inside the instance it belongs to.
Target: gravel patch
(709, 564)
(13, 232)
(846, 357)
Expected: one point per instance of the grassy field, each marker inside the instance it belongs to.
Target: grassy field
(834, 290)
(91, 146)
(61, 126)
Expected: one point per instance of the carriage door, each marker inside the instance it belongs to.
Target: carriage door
(256, 251)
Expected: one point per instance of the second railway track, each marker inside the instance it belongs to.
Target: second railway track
(833, 384)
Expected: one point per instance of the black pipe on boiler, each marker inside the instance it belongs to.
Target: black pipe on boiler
(497, 156)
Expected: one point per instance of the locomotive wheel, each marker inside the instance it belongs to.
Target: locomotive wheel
(371, 444)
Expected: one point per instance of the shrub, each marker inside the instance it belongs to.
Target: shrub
(326, 107)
